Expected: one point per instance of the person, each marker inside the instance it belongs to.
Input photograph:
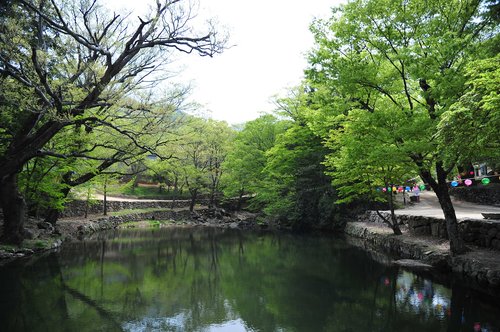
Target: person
(416, 193)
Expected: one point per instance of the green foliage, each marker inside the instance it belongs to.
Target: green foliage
(297, 188)
(369, 154)
(383, 78)
(469, 129)
(247, 156)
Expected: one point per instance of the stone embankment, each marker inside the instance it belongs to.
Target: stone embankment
(424, 241)
(489, 195)
(77, 208)
(479, 232)
(205, 217)
(41, 236)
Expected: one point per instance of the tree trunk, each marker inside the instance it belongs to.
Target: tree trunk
(211, 199)
(240, 198)
(53, 214)
(394, 220)
(14, 210)
(440, 187)
(175, 193)
(105, 198)
(194, 194)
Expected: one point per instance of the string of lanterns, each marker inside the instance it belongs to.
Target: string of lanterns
(455, 183)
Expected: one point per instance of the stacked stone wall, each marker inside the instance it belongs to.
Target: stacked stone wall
(486, 195)
(482, 233)
(77, 208)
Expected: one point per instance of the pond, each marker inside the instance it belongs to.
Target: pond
(204, 279)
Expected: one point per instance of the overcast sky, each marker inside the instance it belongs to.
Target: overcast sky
(270, 39)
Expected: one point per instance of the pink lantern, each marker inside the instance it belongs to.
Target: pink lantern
(468, 182)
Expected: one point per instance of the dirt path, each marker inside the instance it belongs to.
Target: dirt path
(100, 197)
(429, 207)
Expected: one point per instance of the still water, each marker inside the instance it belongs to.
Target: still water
(182, 279)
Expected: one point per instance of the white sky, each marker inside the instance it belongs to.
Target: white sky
(271, 38)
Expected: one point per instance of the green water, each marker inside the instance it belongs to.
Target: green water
(214, 280)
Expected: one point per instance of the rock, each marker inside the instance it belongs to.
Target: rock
(45, 225)
(233, 225)
(30, 234)
(413, 264)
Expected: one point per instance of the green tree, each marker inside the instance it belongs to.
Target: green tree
(218, 135)
(247, 156)
(410, 55)
(469, 128)
(368, 157)
(65, 64)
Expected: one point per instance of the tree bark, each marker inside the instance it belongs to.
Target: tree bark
(53, 214)
(394, 220)
(14, 210)
(440, 187)
(240, 198)
(194, 194)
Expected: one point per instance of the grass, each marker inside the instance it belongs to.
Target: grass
(146, 224)
(135, 211)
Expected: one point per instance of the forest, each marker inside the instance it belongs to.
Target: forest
(393, 91)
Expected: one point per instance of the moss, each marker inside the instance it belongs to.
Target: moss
(146, 224)
(135, 211)
(8, 247)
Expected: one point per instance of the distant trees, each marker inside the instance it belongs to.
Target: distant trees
(195, 159)
(72, 65)
(246, 158)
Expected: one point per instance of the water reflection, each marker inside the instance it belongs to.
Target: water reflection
(222, 280)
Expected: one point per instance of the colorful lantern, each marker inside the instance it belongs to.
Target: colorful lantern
(468, 182)
(384, 189)
(422, 187)
(389, 189)
(400, 189)
(408, 189)
(485, 181)
(454, 183)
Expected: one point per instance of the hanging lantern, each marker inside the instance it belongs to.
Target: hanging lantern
(389, 189)
(468, 182)
(384, 189)
(378, 189)
(485, 181)
(408, 189)
(454, 183)
(422, 187)
(400, 189)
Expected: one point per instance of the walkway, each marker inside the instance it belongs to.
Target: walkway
(429, 207)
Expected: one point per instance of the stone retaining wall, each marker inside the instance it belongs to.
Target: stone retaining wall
(110, 222)
(483, 233)
(77, 208)
(486, 195)
(480, 273)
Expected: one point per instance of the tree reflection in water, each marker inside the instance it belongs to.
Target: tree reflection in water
(222, 280)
